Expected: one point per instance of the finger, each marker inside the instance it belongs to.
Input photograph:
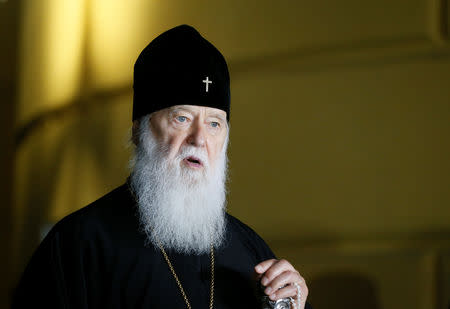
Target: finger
(263, 266)
(291, 291)
(287, 291)
(281, 280)
(303, 293)
(275, 270)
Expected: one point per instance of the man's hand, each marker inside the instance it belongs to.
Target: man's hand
(278, 277)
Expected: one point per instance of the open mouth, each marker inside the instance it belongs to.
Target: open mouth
(193, 161)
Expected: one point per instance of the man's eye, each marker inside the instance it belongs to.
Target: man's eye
(181, 118)
(215, 124)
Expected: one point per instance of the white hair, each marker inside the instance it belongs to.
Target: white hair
(179, 208)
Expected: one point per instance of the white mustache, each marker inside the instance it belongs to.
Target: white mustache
(188, 151)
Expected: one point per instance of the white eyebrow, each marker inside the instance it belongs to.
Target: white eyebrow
(218, 116)
(181, 108)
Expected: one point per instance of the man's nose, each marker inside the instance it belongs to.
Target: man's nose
(197, 135)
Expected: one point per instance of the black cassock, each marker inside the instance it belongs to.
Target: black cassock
(97, 258)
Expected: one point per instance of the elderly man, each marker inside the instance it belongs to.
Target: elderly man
(163, 239)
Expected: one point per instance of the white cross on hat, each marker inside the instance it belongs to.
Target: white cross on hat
(207, 82)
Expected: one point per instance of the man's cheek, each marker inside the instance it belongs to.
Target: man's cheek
(174, 147)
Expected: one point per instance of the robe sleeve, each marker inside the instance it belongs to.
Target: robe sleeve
(54, 277)
(259, 248)
(42, 283)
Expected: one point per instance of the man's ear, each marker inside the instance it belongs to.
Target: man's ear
(134, 132)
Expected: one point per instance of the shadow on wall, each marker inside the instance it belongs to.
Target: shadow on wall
(341, 290)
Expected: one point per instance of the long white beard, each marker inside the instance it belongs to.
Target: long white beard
(179, 208)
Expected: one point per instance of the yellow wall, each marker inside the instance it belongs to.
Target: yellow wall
(340, 126)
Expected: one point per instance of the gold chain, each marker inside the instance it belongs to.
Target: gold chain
(211, 300)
